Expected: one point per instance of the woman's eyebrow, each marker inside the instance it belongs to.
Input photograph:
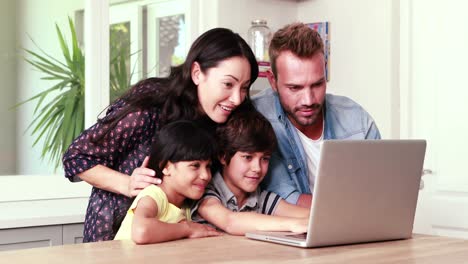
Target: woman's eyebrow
(232, 76)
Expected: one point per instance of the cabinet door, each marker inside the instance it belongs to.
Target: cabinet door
(436, 99)
(72, 234)
(30, 237)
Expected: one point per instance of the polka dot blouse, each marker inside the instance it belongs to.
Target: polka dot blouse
(123, 150)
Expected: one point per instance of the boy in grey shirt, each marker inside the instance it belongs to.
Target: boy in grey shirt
(233, 201)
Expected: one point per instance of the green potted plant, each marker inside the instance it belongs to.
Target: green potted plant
(59, 110)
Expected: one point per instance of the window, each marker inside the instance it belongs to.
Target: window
(157, 34)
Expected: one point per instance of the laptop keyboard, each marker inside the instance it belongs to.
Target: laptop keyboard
(300, 236)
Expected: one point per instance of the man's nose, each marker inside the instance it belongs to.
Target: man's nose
(307, 97)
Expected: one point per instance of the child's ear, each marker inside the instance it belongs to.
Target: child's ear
(166, 170)
(222, 160)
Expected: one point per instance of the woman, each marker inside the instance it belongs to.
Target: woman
(214, 80)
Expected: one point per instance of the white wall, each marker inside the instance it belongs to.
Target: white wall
(8, 91)
(363, 61)
(238, 15)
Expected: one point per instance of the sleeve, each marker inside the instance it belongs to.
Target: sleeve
(269, 201)
(278, 180)
(156, 194)
(372, 130)
(210, 192)
(84, 154)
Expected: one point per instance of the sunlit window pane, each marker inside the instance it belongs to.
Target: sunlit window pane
(171, 42)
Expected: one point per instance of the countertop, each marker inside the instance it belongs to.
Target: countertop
(39, 200)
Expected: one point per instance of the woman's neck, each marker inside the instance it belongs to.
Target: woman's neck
(206, 123)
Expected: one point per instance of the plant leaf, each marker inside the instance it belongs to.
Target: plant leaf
(59, 109)
(64, 47)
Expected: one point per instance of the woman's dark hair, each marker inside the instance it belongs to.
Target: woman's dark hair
(180, 141)
(246, 131)
(176, 95)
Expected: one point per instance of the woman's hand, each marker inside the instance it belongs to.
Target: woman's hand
(141, 178)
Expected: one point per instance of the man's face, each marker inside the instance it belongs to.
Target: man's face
(301, 85)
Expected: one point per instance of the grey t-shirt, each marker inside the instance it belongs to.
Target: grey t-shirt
(263, 202)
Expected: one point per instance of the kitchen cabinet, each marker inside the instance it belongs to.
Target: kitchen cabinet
(40, 236)
(49, 215)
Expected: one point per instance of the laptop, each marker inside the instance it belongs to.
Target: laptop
(365, 191)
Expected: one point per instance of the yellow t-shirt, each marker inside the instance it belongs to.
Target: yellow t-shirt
(167, 212)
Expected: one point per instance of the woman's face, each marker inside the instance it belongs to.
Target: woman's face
(222, 88)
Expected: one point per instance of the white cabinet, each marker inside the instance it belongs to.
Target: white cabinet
(72, 234)
(50, 215)
(40, 236)
(30, 237)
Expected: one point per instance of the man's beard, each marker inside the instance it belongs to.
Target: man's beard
(306, 121)
(303, 121)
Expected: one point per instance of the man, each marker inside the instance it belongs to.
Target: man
(302, 114)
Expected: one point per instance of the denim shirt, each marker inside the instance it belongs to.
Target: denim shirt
(288, 174)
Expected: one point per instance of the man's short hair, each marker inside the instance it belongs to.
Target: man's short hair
(297, 38)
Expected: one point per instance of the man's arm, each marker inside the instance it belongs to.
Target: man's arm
(305, 200)
(291, 210)
(279, 181)
(372, 129)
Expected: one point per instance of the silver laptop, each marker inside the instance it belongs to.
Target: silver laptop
(365, 191)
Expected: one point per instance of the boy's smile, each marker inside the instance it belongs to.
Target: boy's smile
(244, 172)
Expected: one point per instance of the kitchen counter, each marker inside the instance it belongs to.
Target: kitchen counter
(35, 200)
(42, 212)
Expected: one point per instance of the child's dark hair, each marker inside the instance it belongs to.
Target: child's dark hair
(180, 141)
(246, 131)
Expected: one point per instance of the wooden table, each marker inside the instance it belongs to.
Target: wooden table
(230, 249)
